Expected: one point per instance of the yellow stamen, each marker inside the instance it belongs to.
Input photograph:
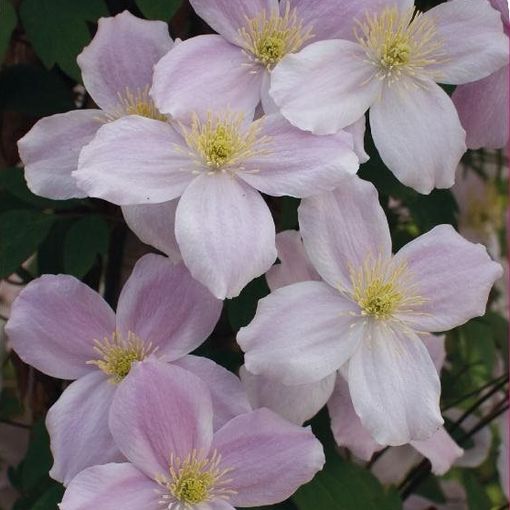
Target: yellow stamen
(136, 103)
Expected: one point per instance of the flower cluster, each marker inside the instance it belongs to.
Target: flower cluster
(189, 138)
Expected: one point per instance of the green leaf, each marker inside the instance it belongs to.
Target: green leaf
(476, 495)
(38, 459)
(58, 29)
(85, 240)
(344, 486)
(159, 9)
(50, 498)
(21, 232)
(8, 22)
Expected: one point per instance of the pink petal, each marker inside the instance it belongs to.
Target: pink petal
(300, 334)
(344, 228)
(418, 134)
(392, 467)
(162, 304)
(53, 325)
(227, 393)
(160, 410)
(452, 275)
(135, 160)
(220, 224)
(299, 164)
(357, 130)
(435, 344)
(179, 79)
(325, 87)
(294, 265)
(112, 487)
(121, 57)
(297, 403)
(78, 427)
(50, 152)
(269, 457)
(394, 386)
(154, 225)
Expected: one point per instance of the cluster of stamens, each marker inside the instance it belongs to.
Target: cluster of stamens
(268, 38)
(117, 354)
(136, 103)
(398, 43)
(194, 480)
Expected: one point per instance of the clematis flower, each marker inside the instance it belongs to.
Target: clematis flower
(217, 165)
(117, 69)
(483, 105)
(161, 419)
(66, 330)
(390, 63)
(369, 311)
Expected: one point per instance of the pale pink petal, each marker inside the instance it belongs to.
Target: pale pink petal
(325, 87)
(435, 344)
(483, 110)
(344, 228)
(154, 224)
(78, 427)
(299, 164)
(162, 304)
(357, 130)
(474, 44)
(160, 410)
(269, 457)
(111, 487)
(294, 265)
(300, 334)
(395, 463)
(227, 393)
(227, 18)
(394, 386)
(135, 160)
(297, 403)
(418, 134)
(267, 103)
(346, 425)
(53, 325)
(452, 276)
(441, 450)
(121, 58)
(221, 224)
(50, 152)
(205, 73)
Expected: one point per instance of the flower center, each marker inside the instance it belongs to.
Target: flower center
(399, 43)
(194, 480)
(118, 354)
(269, 38)
(136, 103)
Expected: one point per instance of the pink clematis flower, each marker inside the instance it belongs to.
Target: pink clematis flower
(161, 419)
(369, 311)
(390, 63)
(483, 106)
(117, 69)
(66, 330)
(217, 165)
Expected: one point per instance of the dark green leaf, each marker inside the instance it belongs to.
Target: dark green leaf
(38, 459)
(8, 23)
(159, 9)
(241, 309)
(476, 495)
(50, 498)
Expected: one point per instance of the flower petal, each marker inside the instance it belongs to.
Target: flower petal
(179, 79)
(135, 160)
(160, 410)
(121, 58)
(154, 225)
(300, 334)
(435, 344)
(78, 427)
(220, 224)
(162, 304)
(394, 386)
(111, 487)
(325, 87)
(452, 275)
(299, 164)
(418, 134)
(357, 130)
(227, 393)
(473, 40)
(297, 403)
(269, 457)
(53, 325)
(392, 467)
(50, 152)
(343, 228)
